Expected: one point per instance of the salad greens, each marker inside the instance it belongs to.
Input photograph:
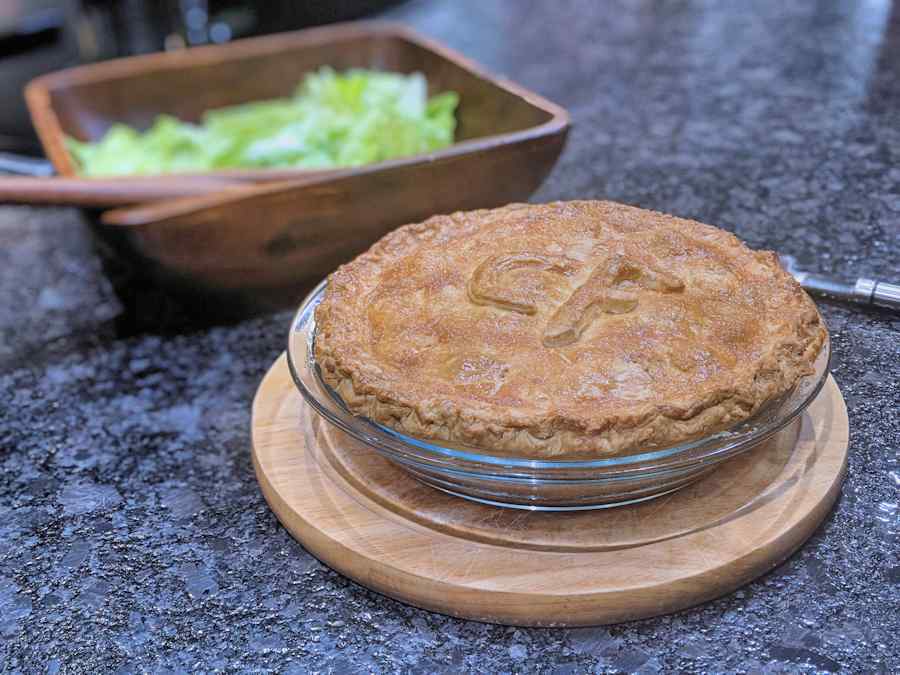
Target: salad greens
(332, 120)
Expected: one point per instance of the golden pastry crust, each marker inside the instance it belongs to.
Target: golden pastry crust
(564, 329)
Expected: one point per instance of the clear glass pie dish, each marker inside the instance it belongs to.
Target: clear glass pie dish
(504, 479)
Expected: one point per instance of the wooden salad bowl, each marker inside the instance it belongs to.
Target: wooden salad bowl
(265, 244)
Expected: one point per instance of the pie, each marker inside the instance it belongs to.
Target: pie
(572, 328)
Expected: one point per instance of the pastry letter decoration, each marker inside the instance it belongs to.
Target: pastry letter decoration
(610, 289)
(486, 285)
(602, 293)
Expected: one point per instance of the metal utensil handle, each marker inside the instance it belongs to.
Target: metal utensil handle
(879, 293)
(22, 165)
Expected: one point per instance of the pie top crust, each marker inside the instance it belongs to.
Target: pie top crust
(571, 328)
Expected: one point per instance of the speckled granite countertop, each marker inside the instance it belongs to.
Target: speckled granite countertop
(133, 536)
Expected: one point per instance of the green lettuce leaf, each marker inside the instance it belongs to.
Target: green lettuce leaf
(332, 120)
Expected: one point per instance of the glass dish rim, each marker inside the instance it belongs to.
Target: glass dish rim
(384, 438)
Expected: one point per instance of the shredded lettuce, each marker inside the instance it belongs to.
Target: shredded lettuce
(332, 120)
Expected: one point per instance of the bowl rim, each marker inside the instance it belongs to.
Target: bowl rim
(717, 446)
(51, 134)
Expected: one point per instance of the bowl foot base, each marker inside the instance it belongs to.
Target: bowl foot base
(544, 507)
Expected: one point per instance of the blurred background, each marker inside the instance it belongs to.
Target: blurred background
(38, 36)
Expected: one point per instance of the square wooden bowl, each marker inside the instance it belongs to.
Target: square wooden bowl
(507, 140)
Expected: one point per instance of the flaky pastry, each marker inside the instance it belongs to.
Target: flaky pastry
(567, 329)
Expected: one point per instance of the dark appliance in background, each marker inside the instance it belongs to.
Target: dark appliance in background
(38, 36)
(34, 39)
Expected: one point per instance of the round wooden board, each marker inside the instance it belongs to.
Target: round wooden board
(369, 520)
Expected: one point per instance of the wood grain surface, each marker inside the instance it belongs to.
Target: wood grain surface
(103, 192)
(83, 102)
(265, 244)
(372, 522)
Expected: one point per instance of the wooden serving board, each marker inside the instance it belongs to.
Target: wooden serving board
(374, 523)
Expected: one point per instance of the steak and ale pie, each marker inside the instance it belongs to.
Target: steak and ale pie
(566, 329)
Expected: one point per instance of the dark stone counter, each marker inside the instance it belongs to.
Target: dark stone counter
(132, 533)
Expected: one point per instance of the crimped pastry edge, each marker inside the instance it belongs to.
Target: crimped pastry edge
(356, 380)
